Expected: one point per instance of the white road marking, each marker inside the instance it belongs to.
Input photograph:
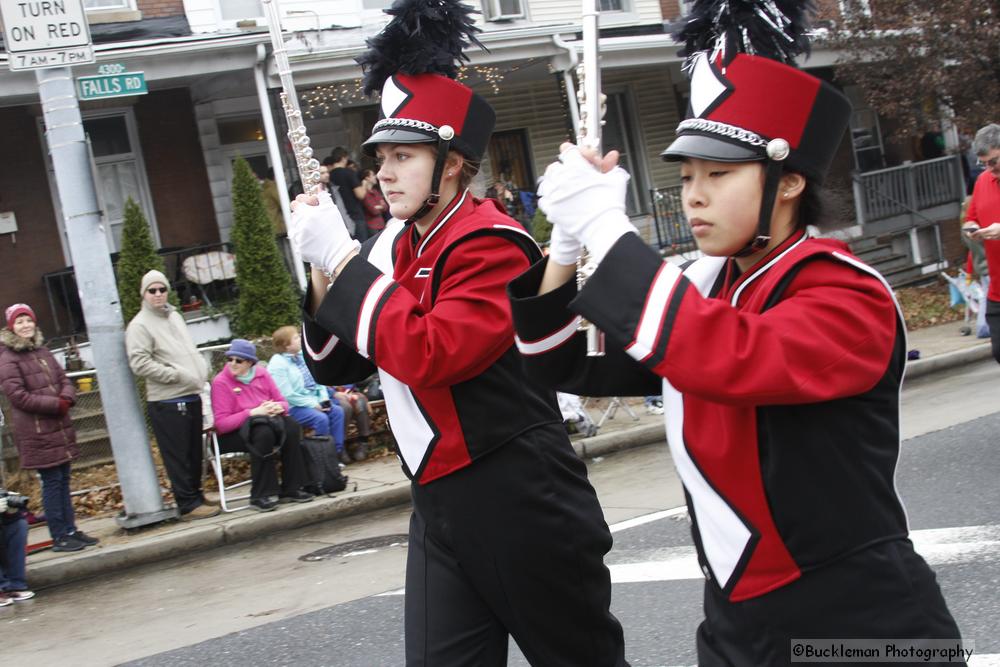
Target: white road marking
(648, 518)
(938, 546)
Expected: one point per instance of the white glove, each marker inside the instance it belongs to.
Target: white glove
(3, 504)
(319, 235)
(587, 204)
(563, 248)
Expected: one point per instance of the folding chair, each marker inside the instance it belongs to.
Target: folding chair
(610, 411)
(214, 457)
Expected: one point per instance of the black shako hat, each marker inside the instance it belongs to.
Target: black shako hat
(748, 100)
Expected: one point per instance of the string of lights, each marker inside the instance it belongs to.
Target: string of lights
(322, 100)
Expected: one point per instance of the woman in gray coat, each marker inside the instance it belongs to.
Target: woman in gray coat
(41, 395)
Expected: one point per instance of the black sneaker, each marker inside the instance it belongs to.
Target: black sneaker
(87, 540)
(67, 543)
(299, 496)
(344, 457)
(264, 504)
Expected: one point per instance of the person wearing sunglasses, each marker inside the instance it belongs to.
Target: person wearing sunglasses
(982, 221)
(160, 351)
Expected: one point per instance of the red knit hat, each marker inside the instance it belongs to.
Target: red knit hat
(17, 309)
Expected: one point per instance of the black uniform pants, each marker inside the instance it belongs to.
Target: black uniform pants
(264, 475)
(884, 592)
(513, 543)
(177, 428)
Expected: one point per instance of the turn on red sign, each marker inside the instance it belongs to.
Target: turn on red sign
(45, 33)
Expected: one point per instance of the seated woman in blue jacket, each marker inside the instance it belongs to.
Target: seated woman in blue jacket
(309, 403)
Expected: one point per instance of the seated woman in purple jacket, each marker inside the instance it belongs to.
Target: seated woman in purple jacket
(251, 416)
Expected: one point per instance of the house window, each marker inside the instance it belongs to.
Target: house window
(98, 5)
(502, 10)
(240, 130)
(620, 134)
(611, 5)
(243, 137)
(235, 10)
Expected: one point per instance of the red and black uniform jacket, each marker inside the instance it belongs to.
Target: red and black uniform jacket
(781, 394)
(431, 314)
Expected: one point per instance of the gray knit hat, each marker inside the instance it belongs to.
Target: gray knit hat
(152, 277)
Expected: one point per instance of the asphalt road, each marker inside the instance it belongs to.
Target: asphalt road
(947, 478)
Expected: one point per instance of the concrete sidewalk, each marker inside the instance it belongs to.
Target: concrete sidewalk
(380, 483)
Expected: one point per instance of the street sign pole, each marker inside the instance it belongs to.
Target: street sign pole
(95, 281)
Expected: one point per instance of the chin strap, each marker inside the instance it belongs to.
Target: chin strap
(445, 134)
(777, 151)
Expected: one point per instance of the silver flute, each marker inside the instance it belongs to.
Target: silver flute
(308, 166)
(590, 102)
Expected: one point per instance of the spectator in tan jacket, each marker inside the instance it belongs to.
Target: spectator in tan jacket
(161, 351)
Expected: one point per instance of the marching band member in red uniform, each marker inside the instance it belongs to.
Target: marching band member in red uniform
(780, 356)
(507, 536)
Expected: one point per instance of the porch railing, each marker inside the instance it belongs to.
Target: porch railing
(672, 230)
(908, 190)
(64, 299)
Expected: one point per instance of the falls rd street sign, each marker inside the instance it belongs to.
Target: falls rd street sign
(111, 85)
(45, 33)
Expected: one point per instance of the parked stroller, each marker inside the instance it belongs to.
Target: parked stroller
(971, 293)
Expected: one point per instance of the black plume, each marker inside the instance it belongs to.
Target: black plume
(774, 29)
(424, 36)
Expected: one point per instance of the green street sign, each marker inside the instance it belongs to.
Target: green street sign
(103, 86)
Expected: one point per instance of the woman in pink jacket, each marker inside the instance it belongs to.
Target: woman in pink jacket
(251, 416)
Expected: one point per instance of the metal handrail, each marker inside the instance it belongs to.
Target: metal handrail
(669, 221)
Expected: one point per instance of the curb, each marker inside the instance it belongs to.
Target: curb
(198, 538)
(940, 362)
(635, 436)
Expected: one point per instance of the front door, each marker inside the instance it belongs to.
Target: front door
(118, 173)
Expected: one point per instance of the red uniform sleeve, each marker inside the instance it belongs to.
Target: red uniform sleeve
(465, 331)
(831, 335)
(555, 351)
